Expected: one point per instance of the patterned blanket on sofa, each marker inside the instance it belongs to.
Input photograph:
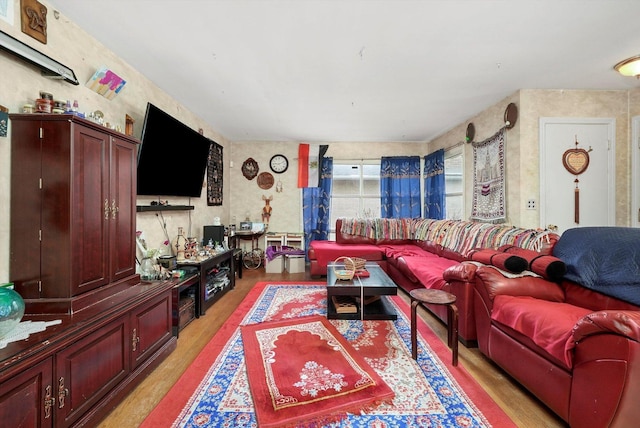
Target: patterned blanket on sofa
(456, 235)
(604, 259)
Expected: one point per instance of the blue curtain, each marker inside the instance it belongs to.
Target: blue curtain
(316, 205)
(434, 202)
(400, 187)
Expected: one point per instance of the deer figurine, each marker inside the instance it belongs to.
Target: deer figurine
(266, 210)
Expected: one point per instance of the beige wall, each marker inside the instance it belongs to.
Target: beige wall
(286, 214)
(522, 143)
(21, 83)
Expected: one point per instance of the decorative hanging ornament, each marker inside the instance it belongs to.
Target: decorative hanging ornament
(180, 244)
(576, 162)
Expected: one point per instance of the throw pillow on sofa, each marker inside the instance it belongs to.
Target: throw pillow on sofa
(509, 262)
(549, 267)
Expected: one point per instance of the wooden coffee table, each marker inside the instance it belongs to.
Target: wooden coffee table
(367, 292)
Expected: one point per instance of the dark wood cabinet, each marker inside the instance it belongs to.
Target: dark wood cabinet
(72, 258)
(185, 304)
(72, 211)
(73, 374)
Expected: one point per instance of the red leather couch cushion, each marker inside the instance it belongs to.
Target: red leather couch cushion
(328, 251)
(548, 324)
(401, 250)
(428, 270)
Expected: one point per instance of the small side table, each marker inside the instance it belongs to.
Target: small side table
(435, 297)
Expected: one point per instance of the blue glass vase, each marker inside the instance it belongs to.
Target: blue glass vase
(11, 309)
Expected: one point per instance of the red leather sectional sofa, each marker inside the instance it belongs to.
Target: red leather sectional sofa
(573, 340)
(416, 252)
(575, 343)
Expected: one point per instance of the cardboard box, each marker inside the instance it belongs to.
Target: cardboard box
(295, 264)
(274, 266)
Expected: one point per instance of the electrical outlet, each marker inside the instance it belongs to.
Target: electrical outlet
(531, 204)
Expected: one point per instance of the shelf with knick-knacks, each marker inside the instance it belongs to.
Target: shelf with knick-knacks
(217, 276)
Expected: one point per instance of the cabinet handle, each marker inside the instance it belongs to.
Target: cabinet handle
(62, 393)
(49, 402)
(106, 209)
(114, 209)
(135, 340)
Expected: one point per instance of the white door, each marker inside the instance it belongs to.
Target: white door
(596, 186)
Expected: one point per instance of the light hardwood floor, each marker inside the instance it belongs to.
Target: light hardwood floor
(524, 409)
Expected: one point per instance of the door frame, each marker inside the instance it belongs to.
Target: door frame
(635, 171)
(611, 159)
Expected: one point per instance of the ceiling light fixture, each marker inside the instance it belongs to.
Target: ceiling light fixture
(629, 67)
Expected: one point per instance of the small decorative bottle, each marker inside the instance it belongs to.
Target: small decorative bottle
(11, 309)
(180, 244)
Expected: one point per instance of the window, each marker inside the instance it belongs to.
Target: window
(454, 183)
(355, 189)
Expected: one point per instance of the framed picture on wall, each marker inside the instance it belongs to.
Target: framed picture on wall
(214, 175)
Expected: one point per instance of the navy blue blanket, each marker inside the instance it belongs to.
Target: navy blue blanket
(604, 259)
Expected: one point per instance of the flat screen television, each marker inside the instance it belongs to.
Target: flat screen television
(172, 159)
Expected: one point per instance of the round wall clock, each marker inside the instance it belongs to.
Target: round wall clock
(279, 163)
(250, 169)
(265, 180)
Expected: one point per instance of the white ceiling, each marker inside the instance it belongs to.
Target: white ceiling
(356, 70)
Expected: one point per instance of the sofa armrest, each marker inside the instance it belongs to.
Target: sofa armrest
(624, 323)
(495, 284)
(463, 272)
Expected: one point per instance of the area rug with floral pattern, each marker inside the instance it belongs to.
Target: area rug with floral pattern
(303, 371)
(215, 390)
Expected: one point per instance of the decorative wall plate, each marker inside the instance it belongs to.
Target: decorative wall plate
(575, 160)
(250, 169)
(265, 180)
(510, 116)
(471, 132)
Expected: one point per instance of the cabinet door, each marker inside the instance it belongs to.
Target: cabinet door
(27, 400)
(151, 326)
(122, 216)
(90, 368)
(26, 207)
(90, 210)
